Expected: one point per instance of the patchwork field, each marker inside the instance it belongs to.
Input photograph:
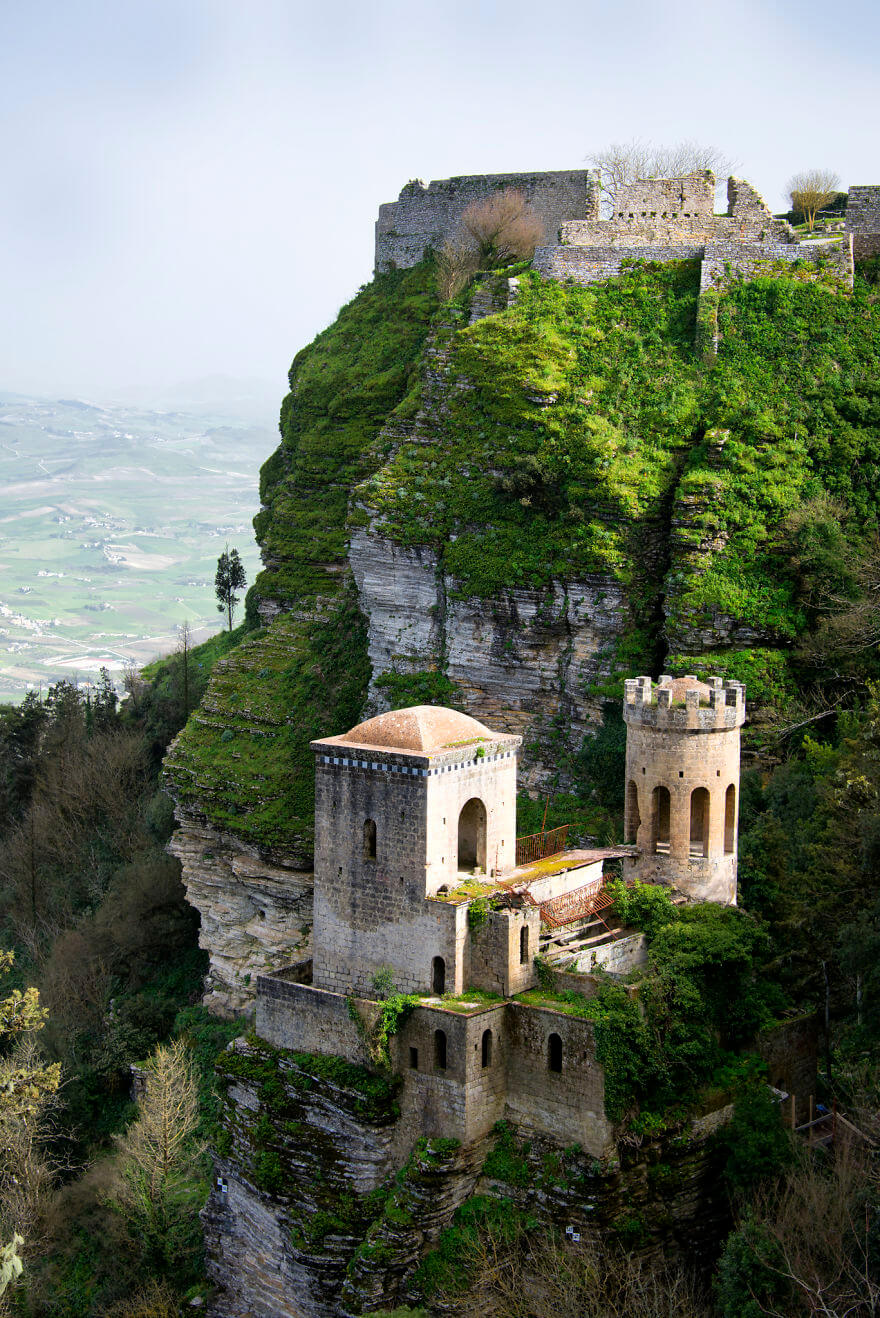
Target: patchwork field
(111, 521)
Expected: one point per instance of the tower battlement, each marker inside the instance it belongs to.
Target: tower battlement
(684, 703)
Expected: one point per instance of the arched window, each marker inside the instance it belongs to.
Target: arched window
(699, 822)
(633, 818)
(440, 1050)
(554, 1053)
(472, 835)
(730, 819)
(369, 839)
(487, 1048)
(660, 818)
(438, 975)
(524, 945)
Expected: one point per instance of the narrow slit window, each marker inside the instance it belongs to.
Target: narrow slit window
(440, 1050)
(369, 839)
(414, 1059)
(487, 1049)
(554, 1053)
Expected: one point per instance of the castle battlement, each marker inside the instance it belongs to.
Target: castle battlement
(684, 703)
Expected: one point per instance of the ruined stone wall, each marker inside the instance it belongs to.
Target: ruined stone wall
(423, 217)
(747, 260)
(594, 264)
(862, 220)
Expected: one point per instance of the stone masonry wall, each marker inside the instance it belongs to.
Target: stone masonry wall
(862, 220)
(570, 1104)
(747, 260)
(594, 264)
(495, 960)
(424, 216)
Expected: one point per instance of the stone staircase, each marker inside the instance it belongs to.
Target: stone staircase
(586, 935)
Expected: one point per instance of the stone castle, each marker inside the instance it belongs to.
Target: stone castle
(420, 881)
(653, 220)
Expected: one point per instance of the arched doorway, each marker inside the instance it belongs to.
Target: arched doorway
(699, 822)
(554, 1053)
(660, 818)
(730, 820)
(632, 813)
(472, 835)
(438, 976)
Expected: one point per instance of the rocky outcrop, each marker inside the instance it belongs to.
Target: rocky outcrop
(255, 917)
(320, 1210)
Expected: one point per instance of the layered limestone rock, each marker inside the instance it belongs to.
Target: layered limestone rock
(255, 917)
(522, 661)
(321, 1207)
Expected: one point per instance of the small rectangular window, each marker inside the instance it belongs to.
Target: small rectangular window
(414, 1059)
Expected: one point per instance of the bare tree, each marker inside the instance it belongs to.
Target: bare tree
(502, 228)
(810, 191)
(457, 263)
(622, 163)
(829, 1271)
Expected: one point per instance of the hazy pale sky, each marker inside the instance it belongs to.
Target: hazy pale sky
(190, 188)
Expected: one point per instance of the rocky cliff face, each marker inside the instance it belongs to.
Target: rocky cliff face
(255, 917)
(321, 1208)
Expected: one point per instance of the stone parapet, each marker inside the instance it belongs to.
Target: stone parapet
(862, 219)
(700, 707)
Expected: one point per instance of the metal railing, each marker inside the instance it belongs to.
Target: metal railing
(538, 846)
(576, 905)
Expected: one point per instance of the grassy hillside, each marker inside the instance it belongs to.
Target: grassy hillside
(735, 499)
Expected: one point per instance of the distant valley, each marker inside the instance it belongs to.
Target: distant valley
(111, 521)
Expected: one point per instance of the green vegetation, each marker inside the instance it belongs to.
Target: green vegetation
(702, 997)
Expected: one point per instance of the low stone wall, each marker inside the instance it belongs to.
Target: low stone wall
(310, 1020)
(725, 260)
(593, 264)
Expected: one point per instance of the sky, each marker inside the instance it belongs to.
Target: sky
(189, 189)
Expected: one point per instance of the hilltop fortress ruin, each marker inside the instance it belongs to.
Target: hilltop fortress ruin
(653, 220)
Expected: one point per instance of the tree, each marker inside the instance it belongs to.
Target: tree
(622, 163)
(229, 578)
(160, 1151)
(810, 191)
(502, 228)
(26, 1087)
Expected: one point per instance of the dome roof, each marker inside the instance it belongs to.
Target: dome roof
(418, 728)
(679, 685)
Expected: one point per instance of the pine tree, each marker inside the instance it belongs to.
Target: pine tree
(230, 577)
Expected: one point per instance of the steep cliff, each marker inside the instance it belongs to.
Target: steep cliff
(322, 1206)
(508, 509)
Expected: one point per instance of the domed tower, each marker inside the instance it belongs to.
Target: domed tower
(682, 783)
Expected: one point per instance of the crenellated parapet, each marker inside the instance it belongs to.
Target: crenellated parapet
(684, 703)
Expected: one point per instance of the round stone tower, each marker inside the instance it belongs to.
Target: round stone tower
(682, 783)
